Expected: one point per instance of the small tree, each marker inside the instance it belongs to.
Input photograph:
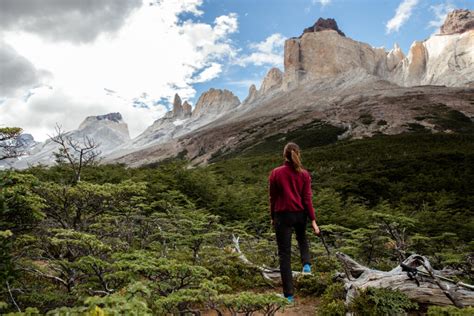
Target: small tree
(78, 154)
(9, 144)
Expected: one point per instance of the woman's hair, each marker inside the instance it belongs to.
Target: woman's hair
(291, 153)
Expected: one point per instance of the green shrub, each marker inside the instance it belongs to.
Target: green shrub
(374, 301)
(326, 264)
(250, 302)
(332, 301)
(30, 311)
(450, 311)
(314, 284)
(333, 308)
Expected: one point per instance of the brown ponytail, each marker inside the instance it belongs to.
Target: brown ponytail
(291, 153)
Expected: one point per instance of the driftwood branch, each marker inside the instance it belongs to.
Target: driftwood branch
(414, 276)
(11, 296)
(269, 274)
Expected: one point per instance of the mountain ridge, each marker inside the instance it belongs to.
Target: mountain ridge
(330, 78)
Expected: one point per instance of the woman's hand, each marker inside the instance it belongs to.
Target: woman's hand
(315, 227)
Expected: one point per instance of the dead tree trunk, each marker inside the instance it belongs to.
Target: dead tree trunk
(415, 277)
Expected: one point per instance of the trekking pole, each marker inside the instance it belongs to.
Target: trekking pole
(324, 242)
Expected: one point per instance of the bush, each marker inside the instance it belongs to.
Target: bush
(333, 308)
(374, 301)
(249, 303)
(314, 284)
(326, 264)
(450, 311)
(332, 301)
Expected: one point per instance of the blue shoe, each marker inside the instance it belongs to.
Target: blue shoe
(307, 268)
(290, 298)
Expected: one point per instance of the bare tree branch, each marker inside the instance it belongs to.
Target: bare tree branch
(78, 154)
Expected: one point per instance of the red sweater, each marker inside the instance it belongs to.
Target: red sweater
(290, 190)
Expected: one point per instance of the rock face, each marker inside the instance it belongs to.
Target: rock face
(327, 54)
(446, 59)
(458, 21)
(215, 102)
(324, 25)
(440, 60)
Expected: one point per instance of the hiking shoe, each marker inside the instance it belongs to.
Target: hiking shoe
(291, 299)
(307, 268)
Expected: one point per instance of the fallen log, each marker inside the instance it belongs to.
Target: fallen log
(415, 277)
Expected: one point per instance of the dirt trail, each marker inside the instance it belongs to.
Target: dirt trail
(303, 306)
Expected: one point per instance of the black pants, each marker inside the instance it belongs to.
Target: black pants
(284, 223)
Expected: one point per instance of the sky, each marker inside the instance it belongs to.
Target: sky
(61, 61)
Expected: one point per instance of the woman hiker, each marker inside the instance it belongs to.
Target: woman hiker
(290, 205)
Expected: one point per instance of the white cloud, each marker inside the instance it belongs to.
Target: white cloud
(226, 24)
(208, 73)
(322, 2)
(150, 58)
(402, 15)
(440, 11)
(267, 52)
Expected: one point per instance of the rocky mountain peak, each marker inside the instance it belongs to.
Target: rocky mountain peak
(114, 117)
(272, 81)
(394, 57)
(252, 94)
(187, 109)
(324, 25)
(215, 101)
(458, 21)
(26, 140)
(177, 105)
(111, 121)
(110, 117)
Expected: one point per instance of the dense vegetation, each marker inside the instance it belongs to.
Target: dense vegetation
(158, 239)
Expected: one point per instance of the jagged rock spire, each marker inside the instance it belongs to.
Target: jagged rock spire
(187, 109)
(177, 106)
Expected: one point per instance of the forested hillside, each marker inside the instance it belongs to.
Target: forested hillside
(158, 239)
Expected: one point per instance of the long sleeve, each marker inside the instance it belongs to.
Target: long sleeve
(308, 197)
(272, 192)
